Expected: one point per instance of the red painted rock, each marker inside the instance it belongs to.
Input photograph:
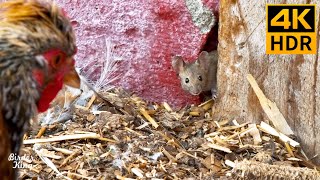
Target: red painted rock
(145, 35)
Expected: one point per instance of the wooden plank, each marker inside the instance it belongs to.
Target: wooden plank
(270, 108)
(291, 81)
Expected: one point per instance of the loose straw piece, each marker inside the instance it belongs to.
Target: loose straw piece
(89, 104)
(67, 137)
(218, 147)
(41, 131)
(169, 156)
(207, 105)
(194, 113)
(270, 130)
(148, 117)
(135, 132)
(167, 107)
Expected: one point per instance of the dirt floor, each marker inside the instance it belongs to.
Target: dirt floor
(86, 137)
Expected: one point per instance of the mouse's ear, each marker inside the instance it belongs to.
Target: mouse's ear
(203, 58)
(177, 63)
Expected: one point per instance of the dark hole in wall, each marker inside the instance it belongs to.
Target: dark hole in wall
(210, 45)
(212, 40)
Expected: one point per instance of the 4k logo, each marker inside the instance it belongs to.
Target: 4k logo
(291, 29)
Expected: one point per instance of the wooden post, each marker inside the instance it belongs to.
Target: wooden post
(291, 81)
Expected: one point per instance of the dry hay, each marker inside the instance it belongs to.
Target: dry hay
(130, 138)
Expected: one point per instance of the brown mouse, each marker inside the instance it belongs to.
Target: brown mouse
(199, 76)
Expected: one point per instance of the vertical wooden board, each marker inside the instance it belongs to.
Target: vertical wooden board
(300, 101)
(316, 128)
(234, 61)
(289, 80)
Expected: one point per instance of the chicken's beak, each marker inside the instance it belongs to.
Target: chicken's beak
(72, 78)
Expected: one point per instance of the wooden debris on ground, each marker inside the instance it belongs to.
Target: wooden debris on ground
(270, 108)
(256, 170)
(141, 140)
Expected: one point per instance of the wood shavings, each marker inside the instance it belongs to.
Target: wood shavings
(89, 104)
(137, 172)
(207, 105)
(134, 139)
(148, 117)
(49, 154)
(267, 128)
(169, 156)
(194, 113)
(167, 107)
(256, 170)
(41, 132)
(255, 134)
(230, 163)
(64, 151)
(135, 132)
(46, 160)
(67, 137)
(217, 147)
(69, 158)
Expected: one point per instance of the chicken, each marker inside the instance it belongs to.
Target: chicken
(37, 44)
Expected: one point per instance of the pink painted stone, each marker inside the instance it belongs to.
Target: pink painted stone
(145, 34)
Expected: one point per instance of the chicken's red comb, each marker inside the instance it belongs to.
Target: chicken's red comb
(64, 13)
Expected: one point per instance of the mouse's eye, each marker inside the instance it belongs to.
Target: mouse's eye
(200, 78)
(186, 80)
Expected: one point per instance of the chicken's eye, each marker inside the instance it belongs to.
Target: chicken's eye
(200, 78)
(187, 80)
(57, 59)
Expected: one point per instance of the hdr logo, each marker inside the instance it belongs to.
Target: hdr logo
(291, 29)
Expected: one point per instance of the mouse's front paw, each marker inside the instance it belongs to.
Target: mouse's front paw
(214, 94)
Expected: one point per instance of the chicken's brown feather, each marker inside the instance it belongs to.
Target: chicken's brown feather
(6, 166)
(28, 28)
